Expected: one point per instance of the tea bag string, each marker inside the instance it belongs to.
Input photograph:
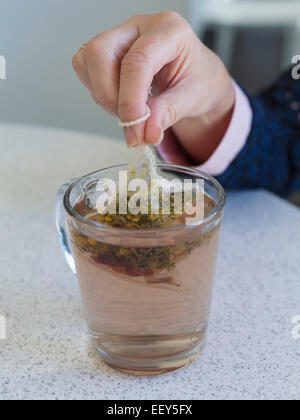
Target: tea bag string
(136, 122)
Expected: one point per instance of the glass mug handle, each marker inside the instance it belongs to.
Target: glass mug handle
(61, 224)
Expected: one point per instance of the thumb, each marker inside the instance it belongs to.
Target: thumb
(166, 110)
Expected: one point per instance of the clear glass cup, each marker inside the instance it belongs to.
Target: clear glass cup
(142, 322)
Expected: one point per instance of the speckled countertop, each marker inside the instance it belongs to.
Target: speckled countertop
(250, 351)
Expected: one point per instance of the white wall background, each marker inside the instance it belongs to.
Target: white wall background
(38, 39)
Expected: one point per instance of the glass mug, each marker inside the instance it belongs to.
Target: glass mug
(141, 323)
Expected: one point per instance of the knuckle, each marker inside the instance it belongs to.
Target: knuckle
(108, 104)
(111, 107)
(135, 59)
(129, 110)
(170, 15)
(126, 107)
(136, 17)
(93, 48)
(76, 64)
(173, 22)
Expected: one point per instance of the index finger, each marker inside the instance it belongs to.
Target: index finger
(147, 56)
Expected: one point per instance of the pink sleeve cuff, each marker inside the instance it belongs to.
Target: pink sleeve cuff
(231, 145)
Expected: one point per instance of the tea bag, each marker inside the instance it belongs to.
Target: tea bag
(148, 194)
(143, 166)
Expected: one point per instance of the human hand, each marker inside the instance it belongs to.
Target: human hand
(192, 91)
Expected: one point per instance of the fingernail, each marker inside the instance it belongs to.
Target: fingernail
(131, 138)
(159, 141)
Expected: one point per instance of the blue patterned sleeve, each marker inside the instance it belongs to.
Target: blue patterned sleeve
(271, 156)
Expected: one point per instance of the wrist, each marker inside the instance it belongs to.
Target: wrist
(201, 135)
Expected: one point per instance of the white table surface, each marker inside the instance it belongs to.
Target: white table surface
(250, 351)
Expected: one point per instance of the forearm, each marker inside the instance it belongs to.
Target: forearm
(225, 150)
(259, 149)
